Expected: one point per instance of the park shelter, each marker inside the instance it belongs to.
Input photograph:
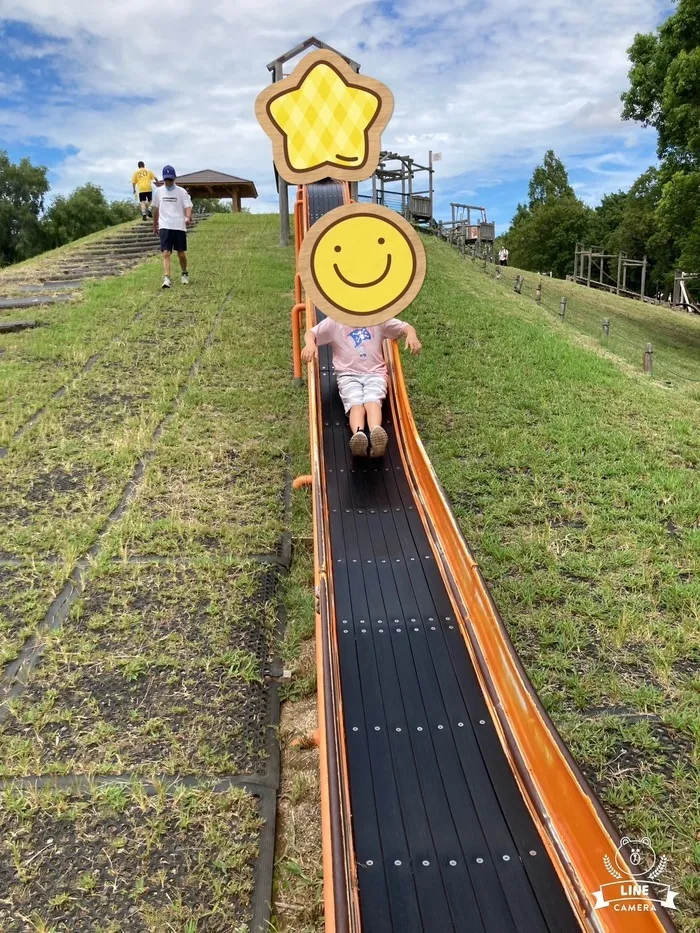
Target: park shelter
(211, 184)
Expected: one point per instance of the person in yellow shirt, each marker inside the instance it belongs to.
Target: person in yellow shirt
(142, 181)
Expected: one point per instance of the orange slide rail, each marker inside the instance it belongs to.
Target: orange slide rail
(340, 890)
(571, 822)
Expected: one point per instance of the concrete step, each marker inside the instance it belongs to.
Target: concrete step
(33, 302)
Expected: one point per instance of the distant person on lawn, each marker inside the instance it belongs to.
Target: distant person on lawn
(503, 256)
(142, 182)
(172, 212)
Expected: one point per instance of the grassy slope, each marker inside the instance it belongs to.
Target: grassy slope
(157, 669)
(674, 335)
(577, 486)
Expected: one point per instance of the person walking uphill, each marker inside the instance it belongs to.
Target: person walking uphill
(172, 212)
(142, 182)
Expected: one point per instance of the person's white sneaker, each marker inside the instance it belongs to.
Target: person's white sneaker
(185, 278)
(166, 281)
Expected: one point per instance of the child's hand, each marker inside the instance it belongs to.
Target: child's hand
(413, 343)
(309, 353)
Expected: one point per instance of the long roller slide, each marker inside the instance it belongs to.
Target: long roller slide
(450, 804)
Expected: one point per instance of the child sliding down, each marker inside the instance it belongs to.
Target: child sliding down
(362, 377)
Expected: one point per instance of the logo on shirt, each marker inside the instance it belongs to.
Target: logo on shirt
(358, 337)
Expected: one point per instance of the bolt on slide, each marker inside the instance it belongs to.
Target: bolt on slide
(449, 801)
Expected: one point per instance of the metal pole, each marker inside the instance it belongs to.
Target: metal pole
(562, 307)
(283, 194)
(430, 174)
(374, 189)
(644, 278)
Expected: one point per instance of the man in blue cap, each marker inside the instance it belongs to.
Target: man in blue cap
(172, 212)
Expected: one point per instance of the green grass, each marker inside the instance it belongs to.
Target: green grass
(576, 484)
(158, 670)
(674, 335)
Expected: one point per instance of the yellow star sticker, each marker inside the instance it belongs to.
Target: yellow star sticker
(325, 120)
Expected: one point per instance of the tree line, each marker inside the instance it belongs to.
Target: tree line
(660, 214)
(28, 227)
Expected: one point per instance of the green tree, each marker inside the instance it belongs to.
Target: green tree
(211, 206)
(22, 190)
(676, 237)
(122, 211)
(607, 219)
(82, 212)
(665, 83)
(549, 181)
(545, 240)
(543, 234)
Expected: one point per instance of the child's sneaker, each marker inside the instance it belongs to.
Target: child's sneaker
(185, 279)
(359, 444)
(166, 281)
(378, 438)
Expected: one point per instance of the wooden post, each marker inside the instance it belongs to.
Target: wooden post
(649, 359)
(283, 194)
(644, 278)
(562, 307)
(575, 262)
(624, 276)
(606, 326)
(619, 271)
(602, 262)
(590, 265)
(538, 293)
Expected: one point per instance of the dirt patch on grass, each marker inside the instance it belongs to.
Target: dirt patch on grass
(159, 670)
(120, 861)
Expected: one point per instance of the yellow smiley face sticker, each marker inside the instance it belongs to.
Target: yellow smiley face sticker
(362, 262)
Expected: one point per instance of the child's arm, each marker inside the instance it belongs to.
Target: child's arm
(310, 351)
(412, 342)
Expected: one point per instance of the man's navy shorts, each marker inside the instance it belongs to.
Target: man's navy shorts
(173, 241)
(145, 195)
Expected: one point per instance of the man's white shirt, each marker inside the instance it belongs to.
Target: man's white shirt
(171, 204)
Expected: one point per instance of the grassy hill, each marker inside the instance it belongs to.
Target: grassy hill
(674, 335)
(574, 477)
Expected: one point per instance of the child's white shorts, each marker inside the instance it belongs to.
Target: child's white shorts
(358, 390)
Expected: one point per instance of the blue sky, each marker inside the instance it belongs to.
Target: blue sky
(88, 89)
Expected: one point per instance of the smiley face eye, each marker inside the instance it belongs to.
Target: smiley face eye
(337, 249)
(381, 241)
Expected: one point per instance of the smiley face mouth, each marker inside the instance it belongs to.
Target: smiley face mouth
(364, 284)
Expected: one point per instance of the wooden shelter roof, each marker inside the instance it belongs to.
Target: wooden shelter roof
(211, 184)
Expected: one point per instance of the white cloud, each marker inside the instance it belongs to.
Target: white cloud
(491, 85)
